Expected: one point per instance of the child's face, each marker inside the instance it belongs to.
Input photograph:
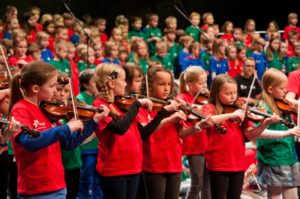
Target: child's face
(136, 83)
(276, 44)
(71, 53)
(62, 92)
(293, 39)
(142, 50)
(297, 51)
(187, 43)
(232, 53)
(237, 35)
(69, 22)
(162, 85)
(101, 27)
(61, 53)
(98, 51)
(294, 21)
(44, 42)
(198, 86)
(162, 52)
(210, 32)
(47, 90)
(228, 93)
(251, 26)
(63, 34)
(50, 28)
(91, 86)
(278, 92)
(137, 24)
(195, 20)
(242, 54)
(210, 20)
(283, 47)
(21, 48)
(91, 57)
(117, 35)
(36, 56)
(171, 36)
(31, 21)
(196, 51)
(114, 52)
(229, 27)
(118, 85)
(172, 25)
(154, 21)
(14, 24)
(123, 56)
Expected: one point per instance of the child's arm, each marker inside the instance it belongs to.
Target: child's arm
(197, 128)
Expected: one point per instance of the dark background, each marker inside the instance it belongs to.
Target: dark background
(236, 11)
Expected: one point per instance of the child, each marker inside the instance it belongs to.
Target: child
(294, 62)
(34, 52)
(170, 36)
(235, 68)
(36, 82)
(111, 53)
(69, 22)
(259, 56)
(218, 63)
(60, 54)
(274, 56)
(98, 53)
(49, 28)
(185, 42)
(207, 45)
(134, 76)
(87, 59)
(171, 23)
(292, 39)
(237, 37)
(194, 58)
(136, 31)
(152, 32)
(101, 24)
(208, 20)
(120, 150)
(73, 68)
(89, 183)
(42, 39)
(20, 48)
(193, 81)
(292, 25)
(227, 29)
(30, 27)
(249, 30)
(227, 174)
(194, 30)
(162, 55)
(12, 25)
(140, 55)
(277, 162)
(116, 36)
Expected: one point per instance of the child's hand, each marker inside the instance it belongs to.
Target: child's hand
(173, 106)
(75, 125)
(238, 115)
(177, 116)
(271, 120)
(103, 114)
(207, 122)
(13, 127)
(292, 132)
(146, 103)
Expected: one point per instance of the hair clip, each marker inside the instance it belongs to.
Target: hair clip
(114, 75)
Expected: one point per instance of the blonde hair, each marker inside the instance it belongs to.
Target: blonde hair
(41, 35)
(194, 14)
(190, 75)
(271, 78)
(108, 47)
(217, 84)
(104, 73)
(291, 16)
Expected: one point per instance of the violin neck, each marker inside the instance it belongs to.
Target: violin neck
(260, 113)
(198, 114)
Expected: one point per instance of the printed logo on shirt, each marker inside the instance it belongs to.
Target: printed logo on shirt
(38, 125)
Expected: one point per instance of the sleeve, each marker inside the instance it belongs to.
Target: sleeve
(294, 83)
(212, 64)
(121, 126)
(73, 140)
(257, 85)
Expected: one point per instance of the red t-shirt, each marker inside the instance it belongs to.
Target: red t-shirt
(163, 149)
(13, 61)
(225, 152)
(118, 154)
(248, 41)
(287, 29)
(294, 83)
(227, 37)
(194, 144)
(103, 38)
(40, 171)
(290, 51)
(75, 77)
(235, 67)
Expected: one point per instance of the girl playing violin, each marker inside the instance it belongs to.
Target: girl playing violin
(40, 169)
(120, 146)
(277, 161)
(225, 153)
(162, 163)
(192, 83)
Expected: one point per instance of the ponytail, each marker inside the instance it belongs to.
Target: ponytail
(182, 83)
(16, 92)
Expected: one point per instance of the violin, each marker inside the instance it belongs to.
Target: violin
(254, 114)
(203, 99)
(56, 110)
(26, 130)
(285, 106)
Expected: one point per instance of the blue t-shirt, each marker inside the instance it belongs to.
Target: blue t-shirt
(189, 61)
(7, 35)
(46, 55)
(107, 60)
(261, 63)
(218, 66)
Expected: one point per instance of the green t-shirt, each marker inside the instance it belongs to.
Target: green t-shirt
(93, 144)
(62, 65)
(173, 52)
(292, 64)
(136, 33)
(144, 64)
(83, 66)
(205, 57)
(166, 61)
(276, 62)
(152, 32)
(71, 158)
(194, 32)
(276, 152)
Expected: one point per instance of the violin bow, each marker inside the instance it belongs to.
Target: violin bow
(147, 85)
(250, 90)
(5, 61)
(73, 100)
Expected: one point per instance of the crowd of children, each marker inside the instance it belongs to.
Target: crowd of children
(135, 150)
